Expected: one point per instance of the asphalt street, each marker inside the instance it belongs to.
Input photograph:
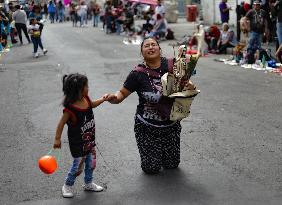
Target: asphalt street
(230, 145)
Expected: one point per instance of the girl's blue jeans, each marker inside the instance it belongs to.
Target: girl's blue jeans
(36, 42)
(78, 164)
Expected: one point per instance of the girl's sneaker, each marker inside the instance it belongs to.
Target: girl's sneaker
(36, 55)
(67, 191)
(92, 187)
(45, 51)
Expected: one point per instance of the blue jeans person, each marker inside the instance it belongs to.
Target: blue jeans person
(77, 168)
(279, 32)
(96, 20)
(52, 16)
(61, 15)
(254, 41)
(36, 42)
(83, 18)
(118, 26)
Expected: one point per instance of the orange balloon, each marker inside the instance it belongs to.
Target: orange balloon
(47, 164)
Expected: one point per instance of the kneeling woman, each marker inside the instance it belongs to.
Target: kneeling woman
(158, 138)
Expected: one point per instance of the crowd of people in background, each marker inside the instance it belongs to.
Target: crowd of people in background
(27, 18)
(254, 23)
(116, 17)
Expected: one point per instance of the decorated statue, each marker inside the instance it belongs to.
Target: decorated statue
(175, 83)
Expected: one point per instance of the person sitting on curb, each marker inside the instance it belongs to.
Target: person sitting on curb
(212, 36)
(227, 39)
(160, 27)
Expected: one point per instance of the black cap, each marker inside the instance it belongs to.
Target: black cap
(257, 2)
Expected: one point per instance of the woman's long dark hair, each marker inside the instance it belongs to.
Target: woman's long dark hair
(73, 85)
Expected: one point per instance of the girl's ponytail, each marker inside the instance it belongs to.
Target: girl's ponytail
(64, 82)
(73, 85)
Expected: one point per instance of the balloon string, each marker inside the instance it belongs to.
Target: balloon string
(56, 153)
(51, 150)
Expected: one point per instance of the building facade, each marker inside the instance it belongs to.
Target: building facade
(211, 13)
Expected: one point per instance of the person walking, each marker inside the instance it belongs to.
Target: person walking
(224, 11)
(96, 14)
(79, 117)
(82, 13)
(45, 11)
(52, 11)
(73, 14)
(35, 33)
(20, 18)
(158, 138)
(61, 12)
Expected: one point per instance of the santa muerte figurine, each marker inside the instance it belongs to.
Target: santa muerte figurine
(175, 83)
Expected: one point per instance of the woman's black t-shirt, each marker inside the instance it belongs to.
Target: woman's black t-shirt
(153, 108)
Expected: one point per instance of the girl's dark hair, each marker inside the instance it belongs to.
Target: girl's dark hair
(31, 20)
(73, 85)
(146, 38)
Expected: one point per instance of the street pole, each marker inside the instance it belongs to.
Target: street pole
(213, 11)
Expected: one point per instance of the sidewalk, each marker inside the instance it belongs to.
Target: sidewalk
(183, 27)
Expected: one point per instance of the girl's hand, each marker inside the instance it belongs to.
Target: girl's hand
(111, 98)
(105, 97)
(57, 144)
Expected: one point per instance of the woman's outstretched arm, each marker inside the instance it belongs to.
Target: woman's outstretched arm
(119, 96)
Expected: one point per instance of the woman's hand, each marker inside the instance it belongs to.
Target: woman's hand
(189, 86)
(118, 97)
(111, 98)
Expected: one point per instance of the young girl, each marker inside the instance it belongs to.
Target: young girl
(35, 34)
(79, 117)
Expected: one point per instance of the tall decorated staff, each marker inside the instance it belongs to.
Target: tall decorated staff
(175, 83)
